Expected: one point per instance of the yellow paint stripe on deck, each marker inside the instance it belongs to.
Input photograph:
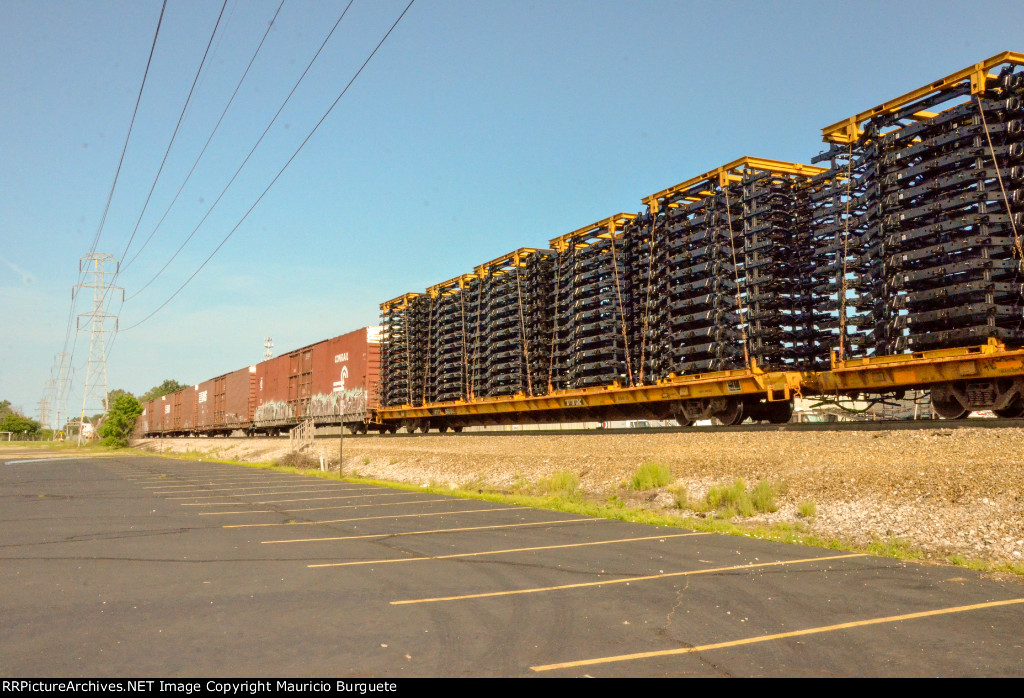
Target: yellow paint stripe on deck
(776, 636)
(487, 552)
(340, 506)
(285, 501)
(626, 580)
(367, 518)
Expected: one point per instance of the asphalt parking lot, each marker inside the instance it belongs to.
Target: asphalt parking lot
(129, 566)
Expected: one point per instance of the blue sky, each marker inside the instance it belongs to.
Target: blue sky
(478, 128)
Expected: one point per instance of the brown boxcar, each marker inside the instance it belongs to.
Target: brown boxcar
(234, 398)
(183, 411)
(333, 377)
(272, 408)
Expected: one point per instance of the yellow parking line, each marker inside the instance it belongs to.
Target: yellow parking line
(777, 636)
(340, 506)
(457, 530)
(365, 518)
(232, 493)
(625, 580)
(487, 552)
(199, 488)
(301, 499)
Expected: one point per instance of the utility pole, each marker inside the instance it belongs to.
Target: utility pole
(100, 271)
(268, 344)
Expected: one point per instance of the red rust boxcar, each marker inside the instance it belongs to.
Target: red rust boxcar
(328, 382)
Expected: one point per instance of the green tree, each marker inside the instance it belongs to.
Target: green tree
(120, 421)
(166, 388)
(113, 395)
(19, 424)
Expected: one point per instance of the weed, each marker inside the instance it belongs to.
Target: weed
(807, 509)
(561, 483)
(294, 459)
(681, 496)
(894, 547)
(727, 501)
(366, 460)
(650, 475)
(763, 496)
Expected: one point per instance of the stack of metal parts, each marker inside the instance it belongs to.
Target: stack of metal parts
(953, 275)
(513, 333)
(643, 252)
(914, 234)
(783, 325)
(848, 249)
(452, 326)
(704, 324)
(736, 270)
(403, 349)
(589, 335)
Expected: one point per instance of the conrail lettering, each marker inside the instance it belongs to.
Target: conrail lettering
(338, 358)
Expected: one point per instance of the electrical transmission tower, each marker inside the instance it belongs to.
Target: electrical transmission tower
(268, 344)
(62, 368)
(99, 271)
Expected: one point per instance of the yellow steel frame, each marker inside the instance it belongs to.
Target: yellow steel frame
(400, 302)
(776, 386)
(610, 227)
(848, 130)
(721, 176)
(920, 369)
(502, 264)
(447, 288)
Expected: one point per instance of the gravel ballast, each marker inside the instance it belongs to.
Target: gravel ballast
(942, 491)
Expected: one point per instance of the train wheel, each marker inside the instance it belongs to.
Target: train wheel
(391, 428)
(779, 412)
(949, 409)
(410, 428)
(443, 428)
(683, 421)
(731, 415)
(457, 428)
(424, 426)
(1012, 411)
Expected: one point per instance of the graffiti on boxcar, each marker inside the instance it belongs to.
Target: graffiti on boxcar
(273, 411)
(346, 402)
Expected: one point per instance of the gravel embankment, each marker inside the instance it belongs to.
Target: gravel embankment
(945, 491)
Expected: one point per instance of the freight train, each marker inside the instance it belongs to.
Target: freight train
(894, 262)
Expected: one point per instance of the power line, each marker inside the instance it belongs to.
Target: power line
(283, 168)
(138, 99)
(174, 135)
(246, 160)
(208, 140)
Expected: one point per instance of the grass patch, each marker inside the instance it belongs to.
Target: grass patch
(728, 501)
(302, 461)
(561, 483)
(650, 475)
(807, 509)
(894, 547)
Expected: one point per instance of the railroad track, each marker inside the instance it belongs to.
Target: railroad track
(876, 425)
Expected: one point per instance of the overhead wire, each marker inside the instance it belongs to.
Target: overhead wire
(247, 157)
(202, 152)
(283, 168)
(177, 127)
